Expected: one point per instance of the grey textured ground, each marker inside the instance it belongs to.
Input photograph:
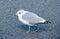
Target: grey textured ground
(11, 28)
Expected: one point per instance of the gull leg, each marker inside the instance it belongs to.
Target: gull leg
(37, 29)
(28, 30)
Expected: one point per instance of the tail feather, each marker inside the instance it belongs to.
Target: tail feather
(47, 22)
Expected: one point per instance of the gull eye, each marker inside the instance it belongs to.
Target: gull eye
(19, 12)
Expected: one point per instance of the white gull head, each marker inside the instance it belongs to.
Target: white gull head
(20, 12)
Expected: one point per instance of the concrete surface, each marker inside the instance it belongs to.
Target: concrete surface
(11, 28)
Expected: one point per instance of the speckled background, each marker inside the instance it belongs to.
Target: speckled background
(12, 28)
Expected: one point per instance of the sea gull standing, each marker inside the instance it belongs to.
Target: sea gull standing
(30, 18)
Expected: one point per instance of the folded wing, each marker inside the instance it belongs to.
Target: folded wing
(32, 18)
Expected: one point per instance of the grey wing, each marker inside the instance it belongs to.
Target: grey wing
(32, 18)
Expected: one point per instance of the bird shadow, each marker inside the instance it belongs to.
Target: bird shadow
(34, 28)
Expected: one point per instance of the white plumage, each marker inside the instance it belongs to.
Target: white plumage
(30, 18)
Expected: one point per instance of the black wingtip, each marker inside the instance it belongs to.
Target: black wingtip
(48, 22)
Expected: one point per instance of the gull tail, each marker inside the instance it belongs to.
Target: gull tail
(46, 22)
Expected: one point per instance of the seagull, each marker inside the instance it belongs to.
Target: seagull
(30, 18)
